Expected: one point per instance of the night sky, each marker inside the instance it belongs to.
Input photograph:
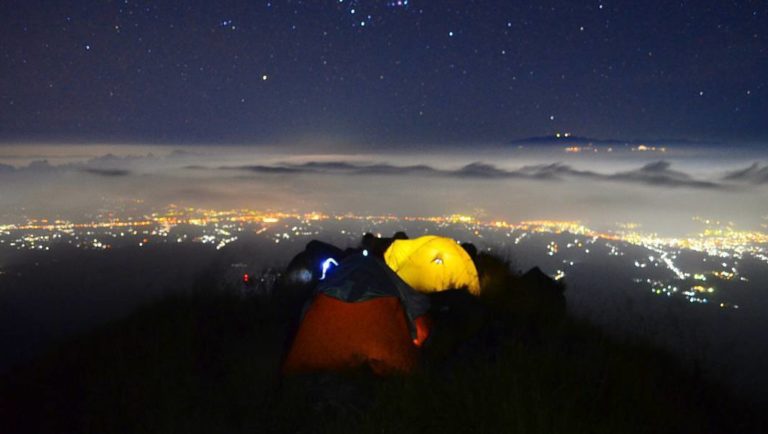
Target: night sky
(379, 73)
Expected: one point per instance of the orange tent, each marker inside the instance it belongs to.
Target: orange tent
(363, 314)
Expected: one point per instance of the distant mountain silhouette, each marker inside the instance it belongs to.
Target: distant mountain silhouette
(571, 140)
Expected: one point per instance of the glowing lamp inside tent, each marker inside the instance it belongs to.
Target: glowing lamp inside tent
(430, 264)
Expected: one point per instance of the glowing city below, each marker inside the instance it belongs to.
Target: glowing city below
(718, 249)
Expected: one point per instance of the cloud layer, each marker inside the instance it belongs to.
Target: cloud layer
(657, 173)
(754, 174)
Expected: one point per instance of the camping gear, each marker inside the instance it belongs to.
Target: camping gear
(376, 245)
(431, 263)
(306, 268)
(362, 313)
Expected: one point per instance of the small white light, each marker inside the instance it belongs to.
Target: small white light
(326, 265)
(304, 275)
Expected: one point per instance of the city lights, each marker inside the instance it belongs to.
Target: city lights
(720, 247)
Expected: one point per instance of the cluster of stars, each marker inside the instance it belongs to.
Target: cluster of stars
(463, 69)
(362, 14)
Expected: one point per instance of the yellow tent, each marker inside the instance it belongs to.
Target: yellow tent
(431, 263)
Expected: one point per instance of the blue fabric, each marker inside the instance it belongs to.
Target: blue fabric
(359, 278)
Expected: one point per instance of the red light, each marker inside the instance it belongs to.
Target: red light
(422, 330)
(245, 278)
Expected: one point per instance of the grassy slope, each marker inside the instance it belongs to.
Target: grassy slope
(205, 362)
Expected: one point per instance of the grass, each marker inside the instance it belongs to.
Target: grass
(209, 362)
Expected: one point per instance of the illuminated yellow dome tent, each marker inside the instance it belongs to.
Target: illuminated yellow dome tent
(431, 263)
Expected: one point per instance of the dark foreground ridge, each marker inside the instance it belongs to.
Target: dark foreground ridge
(510, 360)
